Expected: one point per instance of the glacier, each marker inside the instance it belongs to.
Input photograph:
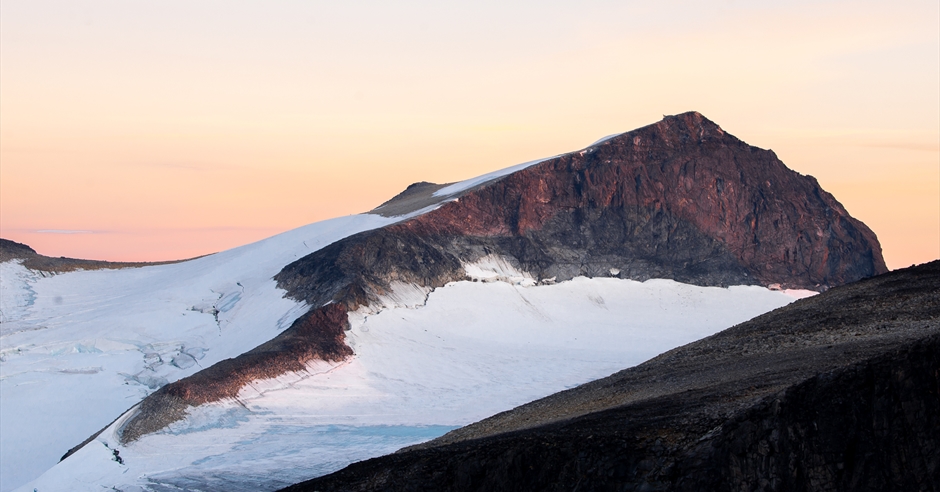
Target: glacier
(77, 349)
(470, 350)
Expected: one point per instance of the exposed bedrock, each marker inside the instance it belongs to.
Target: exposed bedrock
(874, 426)
(836, 392)
(680, 185)
(319, 335)
(11, 250)
(678, 199)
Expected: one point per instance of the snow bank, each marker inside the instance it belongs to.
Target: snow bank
(78, 349)
(608, 137)
(469, 350)
(493, 268)
(470, 183)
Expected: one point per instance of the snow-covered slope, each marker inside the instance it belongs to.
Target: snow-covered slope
(78, 349)
(421, 368)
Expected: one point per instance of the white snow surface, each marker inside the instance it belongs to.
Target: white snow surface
(608, 137)
(77, 349)
(426, 362)
(495, 268)
(470, 183)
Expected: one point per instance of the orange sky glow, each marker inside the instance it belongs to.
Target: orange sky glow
(166, 130)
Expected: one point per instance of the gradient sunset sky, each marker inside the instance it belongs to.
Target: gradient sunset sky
(134, 130)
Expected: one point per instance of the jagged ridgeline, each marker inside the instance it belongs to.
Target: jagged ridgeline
(680, 199)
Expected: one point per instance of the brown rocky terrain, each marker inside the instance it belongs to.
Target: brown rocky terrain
(679, 199)
(12, 250)
(415, 197)
(315, 335)
(836, 392)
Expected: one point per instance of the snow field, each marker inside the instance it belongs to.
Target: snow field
(425, 364)
(470, 183)
(80, 348)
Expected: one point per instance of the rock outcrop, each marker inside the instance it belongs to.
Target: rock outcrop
(12, 250)
(317, 335)
(679, 199)
(836, 392)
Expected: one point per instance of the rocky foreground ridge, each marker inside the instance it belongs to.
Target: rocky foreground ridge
(840, 391)
(679, 199)
(12, 250)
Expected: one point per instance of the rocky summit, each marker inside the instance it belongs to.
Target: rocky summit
(680, 199)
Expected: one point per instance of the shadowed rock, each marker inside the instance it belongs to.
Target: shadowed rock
(415, 197)
(317, 335)
(12, 250)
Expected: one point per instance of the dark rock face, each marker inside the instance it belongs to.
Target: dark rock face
(354, 270)
(679, 199)
(12, 250)
(873, 426)
(836, 392)
(317, 335)
(415, 197)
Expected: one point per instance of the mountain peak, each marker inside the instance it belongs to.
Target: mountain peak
(679, 199)
(692, 122)
(690, 126)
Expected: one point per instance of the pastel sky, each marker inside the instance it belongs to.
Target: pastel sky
(134, 130)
